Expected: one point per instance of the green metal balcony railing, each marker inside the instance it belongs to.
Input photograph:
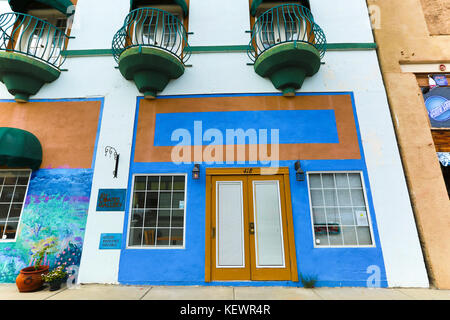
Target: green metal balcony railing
(282, 24)
(33, 37)
(150, 27)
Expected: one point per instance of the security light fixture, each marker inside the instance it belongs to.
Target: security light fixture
(196, 172)
(299, 173)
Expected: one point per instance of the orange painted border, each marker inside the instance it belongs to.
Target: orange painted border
(290, 227)
(67, 130)
(347, 148)
(208, 226)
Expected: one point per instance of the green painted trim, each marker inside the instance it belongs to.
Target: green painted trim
(197, 49)
(87, 52)
(351, 46)
(235, 48)
(244, 48)
(232, 48)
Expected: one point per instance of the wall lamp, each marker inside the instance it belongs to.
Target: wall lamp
(299, 173)
(196, 172)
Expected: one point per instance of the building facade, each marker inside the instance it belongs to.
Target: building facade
(202, 143)
(414, 39)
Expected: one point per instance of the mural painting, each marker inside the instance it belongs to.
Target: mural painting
(56, 208)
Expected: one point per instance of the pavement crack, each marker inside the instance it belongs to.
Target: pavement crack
(57, 292)
(148, 290)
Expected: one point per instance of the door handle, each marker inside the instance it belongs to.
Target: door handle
(252, 228)
(213, 232)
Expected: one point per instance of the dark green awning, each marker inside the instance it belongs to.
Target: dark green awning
(257, 3)
(19, 148)
(60, 5)
(181, 3)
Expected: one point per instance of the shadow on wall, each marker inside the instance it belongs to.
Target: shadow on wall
(56, 206)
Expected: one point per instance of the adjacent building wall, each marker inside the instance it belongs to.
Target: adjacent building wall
(405, 32)
(437, 14)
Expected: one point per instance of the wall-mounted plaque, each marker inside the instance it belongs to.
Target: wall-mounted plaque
(111, 199)
(110, 241)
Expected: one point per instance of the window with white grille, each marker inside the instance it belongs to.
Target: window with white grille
(157, 211)
(13, 189)
(339, 209)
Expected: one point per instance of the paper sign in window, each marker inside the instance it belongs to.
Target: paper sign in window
(361, 218)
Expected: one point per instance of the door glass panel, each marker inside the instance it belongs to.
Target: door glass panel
(230, 233)
(269, 237)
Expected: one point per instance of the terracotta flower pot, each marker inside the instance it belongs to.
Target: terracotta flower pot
(30, 279)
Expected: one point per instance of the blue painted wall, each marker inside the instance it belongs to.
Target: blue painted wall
(299, 126)
(332, 266)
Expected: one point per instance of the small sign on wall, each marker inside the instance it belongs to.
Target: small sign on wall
(110, 241)
(437, 102)
(111, 199)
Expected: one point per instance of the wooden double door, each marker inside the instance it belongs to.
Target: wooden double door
(250, 236)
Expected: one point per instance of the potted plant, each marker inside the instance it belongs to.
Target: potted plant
(30, 278)
(55, 277)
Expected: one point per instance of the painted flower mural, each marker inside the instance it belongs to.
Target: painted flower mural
(56, 206)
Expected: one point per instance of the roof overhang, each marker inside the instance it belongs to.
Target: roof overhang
(63, 6)
(257, 3)
(181, 3)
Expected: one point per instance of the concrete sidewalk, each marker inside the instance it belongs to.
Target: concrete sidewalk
(119, 292)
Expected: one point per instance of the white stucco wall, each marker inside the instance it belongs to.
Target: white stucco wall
(217, 22)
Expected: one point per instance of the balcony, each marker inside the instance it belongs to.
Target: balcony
(151, 49)
(287, 46)
(30, 53)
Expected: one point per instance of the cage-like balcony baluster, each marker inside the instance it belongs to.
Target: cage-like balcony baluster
(30, 53)
(151, 48)
(150, 27)
(286, 46)
(34, 37)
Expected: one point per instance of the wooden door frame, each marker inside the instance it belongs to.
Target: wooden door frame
(282, 171)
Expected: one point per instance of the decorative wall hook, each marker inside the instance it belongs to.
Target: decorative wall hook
(113, 151)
